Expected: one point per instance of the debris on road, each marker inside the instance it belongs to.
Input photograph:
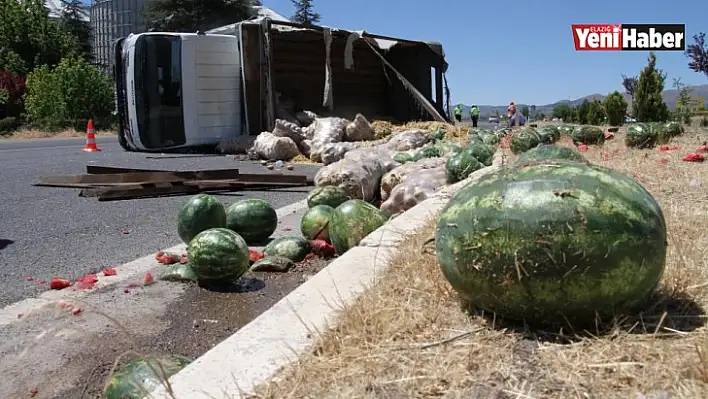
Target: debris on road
(109, 272)
(109, 183)
(59, 284)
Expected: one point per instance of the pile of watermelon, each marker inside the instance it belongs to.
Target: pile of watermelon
(648, 135)
(552, 238)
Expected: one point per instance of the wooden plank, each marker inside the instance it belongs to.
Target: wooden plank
(137, 177)
(273, 178)
(101, 170)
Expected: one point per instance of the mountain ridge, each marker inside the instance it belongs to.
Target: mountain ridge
(669, 97)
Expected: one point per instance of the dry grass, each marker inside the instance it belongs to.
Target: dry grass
(384, 128)
(408, 336)
(26, 133)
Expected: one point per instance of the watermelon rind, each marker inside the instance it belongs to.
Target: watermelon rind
(351, 222)
(588, 134)
(141, 376)
(523, 140)
(549, 152)
(218, 255)
(314, 224)
(200, 212)
(253, 219)
(459, 166)
(553, 242)
(292, 247)
(327, 195)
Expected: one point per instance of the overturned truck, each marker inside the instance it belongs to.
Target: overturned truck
(185, 90)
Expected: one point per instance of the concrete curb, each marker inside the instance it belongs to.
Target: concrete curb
(251, 356)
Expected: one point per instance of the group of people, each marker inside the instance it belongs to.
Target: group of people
(515, 117)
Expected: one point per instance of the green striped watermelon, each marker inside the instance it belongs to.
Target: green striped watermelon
(138, 378)
(523, 140)
(327, 195)
(199, 213)
(351, 222)
(253, 219)
(218, 255)
(291, 247)
(548, 152)
(553, 241)
(460, 166)
(314, 224)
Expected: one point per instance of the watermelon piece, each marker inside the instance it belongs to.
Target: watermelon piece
(484, 153)
(218, 255)
(314, 224)
(552, 242)
(327, 195)
(459, 166)
(291, 247)
(253, 219)
(141, 376)
(278, 264)
(549, 134)
(587, 134)
(403, 157)
(351, 222)
(548, 152)
(180, 272)
(199, 213)
(640, 135)
(524, 140)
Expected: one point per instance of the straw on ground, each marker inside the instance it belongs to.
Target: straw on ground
(409, 337)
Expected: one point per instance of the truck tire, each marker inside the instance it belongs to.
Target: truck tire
(123, 142)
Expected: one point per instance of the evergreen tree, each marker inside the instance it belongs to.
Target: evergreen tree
(648, 104)
(196, 15)
(583, 112)
(305, 12)
(74, 20)
(616, 108)
(698, 53)
(596, 113)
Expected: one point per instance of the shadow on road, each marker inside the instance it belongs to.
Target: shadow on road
(242, 285)
(5, 243)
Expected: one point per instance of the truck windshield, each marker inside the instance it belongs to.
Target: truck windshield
(158, 91)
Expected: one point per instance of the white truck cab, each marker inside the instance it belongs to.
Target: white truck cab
(173, 73)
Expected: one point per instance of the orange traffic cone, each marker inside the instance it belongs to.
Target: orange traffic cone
(90, 138)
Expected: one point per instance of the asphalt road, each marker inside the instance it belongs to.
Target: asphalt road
(47, 232)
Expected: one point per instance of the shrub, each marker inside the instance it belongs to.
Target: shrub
(616, 108)
(9, 124)
(68, 96)
(12, 90)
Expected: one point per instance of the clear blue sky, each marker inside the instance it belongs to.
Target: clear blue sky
(516, 50)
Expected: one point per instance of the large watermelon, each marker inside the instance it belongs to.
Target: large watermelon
(460, 166)
(218, 255)
(640, 135)
(253, 219)
(291, 247)
(553, 241)
(351, 222)
(199, 213)
(429, 151)
(549, 134)
(327, 195)
(484, 153)
(138, 378)
(588, 134)
(566, 129)
(524, 140)
(547, 152)
(314, 224)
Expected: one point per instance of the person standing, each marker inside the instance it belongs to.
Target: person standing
(474, 115)
(458, 112)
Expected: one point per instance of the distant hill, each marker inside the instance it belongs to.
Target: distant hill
(669, 96)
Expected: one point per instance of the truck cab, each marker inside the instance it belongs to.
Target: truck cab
(177, 90)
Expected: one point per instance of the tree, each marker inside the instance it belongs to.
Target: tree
(682, 113)
(563, 111)
(630, 84)
(72, 21)
(596, 113)
(648, 104)
(305, 13)
(525, 111)
(583, 112)
(615, 108)
(196, 15)
(698, 53)
(29, 38)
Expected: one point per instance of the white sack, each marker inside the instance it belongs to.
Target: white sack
(306, 117)
(414, 189)
(408, 140)
(359, 130)
(271, 147)
(391, 179)
(288, 129)
(359, 180)
(379, 153)
(330, 153)
(324, 131)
